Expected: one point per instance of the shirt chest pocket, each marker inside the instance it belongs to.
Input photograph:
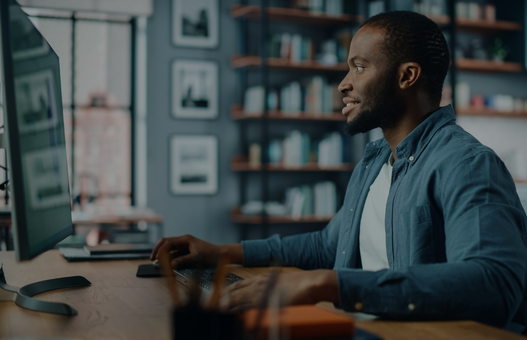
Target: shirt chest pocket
(421, 236)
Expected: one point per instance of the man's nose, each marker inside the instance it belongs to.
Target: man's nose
(345, 85)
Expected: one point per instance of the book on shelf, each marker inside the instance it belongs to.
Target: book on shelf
(297, 48)
(254, 100)
(297, 149)
(314, 95)
(319, 200)
(329, 7)
(330, 150)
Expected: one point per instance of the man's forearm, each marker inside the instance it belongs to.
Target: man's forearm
(234, 252)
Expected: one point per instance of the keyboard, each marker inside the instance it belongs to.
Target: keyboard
(205, 277)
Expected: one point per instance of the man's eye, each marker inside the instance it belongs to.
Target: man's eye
(359, 68)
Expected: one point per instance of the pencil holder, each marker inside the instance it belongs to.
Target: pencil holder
(190, 323)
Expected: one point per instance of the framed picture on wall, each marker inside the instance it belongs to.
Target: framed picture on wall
(194, 89)
(193, 165)
(195, 23)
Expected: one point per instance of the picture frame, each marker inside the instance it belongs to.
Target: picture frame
(194, 89)
(193, 165)
(195, 23)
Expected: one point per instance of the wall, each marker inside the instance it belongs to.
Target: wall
(206, 217)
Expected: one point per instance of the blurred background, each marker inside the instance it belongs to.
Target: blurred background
(163, 105)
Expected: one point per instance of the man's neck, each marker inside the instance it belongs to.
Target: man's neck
(405, 126)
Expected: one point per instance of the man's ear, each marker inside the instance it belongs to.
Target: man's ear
(409, 73)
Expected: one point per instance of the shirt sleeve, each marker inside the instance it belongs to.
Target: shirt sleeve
(313, 250)
(484, 276)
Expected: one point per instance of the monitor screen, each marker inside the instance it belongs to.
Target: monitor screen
(34, 136)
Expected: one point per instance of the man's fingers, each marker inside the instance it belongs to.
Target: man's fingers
(175, 243)
(155, 251)
(239, 285)
(183, 262)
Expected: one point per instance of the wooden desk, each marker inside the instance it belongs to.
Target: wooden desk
(119, 305)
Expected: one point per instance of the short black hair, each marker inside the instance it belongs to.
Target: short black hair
(410, 36)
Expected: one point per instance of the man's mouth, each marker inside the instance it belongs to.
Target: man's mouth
(349, 107)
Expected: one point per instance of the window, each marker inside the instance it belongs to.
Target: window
(95, 52)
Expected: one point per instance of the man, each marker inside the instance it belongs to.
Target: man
(431, 226)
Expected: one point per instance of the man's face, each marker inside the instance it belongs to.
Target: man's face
(370, 87)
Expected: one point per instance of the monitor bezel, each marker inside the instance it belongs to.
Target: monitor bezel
(13, 152)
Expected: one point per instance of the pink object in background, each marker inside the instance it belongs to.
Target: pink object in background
(477, 101)
(490, 13)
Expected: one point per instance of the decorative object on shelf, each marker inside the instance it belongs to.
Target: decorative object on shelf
(474, 11)
(446, 95)
(193, 165)
(477, 101)
(490, 13)
(461, 10)
(297, 150)
(194, 89)
(195, 23)
(296, 48)
(463, 94)
(477, 51)
(313, 96)
(498, 50)
(329, 7)
(255, 154)
(427, 7)
(272, 208)
(319, 200)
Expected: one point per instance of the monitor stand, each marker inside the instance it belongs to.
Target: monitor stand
(24, 296)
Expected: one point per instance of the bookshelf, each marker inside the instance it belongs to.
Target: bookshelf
(296, 16)
(473, 111)
(241, 163)
(478, 26)
(284, 64)
(238, 217)
(507, 24)
(250, 61)
(488, 66)
(237, 113)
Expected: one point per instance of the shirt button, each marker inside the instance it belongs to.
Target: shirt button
(366, 167)
(358, 306)
(344, 252)
(411, 158)
(351, 209)
(373, 143)
(411, 307)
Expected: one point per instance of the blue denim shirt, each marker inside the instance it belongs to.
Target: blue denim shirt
(455, 233)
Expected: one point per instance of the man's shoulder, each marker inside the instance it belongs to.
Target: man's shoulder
(454, 145)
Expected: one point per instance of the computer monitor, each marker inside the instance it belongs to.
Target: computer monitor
(35, 145)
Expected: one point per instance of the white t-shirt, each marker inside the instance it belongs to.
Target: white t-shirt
(372, 234)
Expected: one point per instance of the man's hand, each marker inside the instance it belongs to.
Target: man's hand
(307, 287)
(190, 251)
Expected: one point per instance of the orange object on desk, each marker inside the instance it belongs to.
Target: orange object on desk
(305, 322)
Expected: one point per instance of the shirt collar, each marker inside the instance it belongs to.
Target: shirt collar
(414, 144)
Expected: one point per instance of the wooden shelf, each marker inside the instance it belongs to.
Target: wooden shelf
(238, 61)
(473, 111)
(297, 16)
(440, 19)
(478, 26)
(485, 26)
(487, 66)
(241, 163)
(237, 113)
(237, 217)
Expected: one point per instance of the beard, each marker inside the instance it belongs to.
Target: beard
(386, 107)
